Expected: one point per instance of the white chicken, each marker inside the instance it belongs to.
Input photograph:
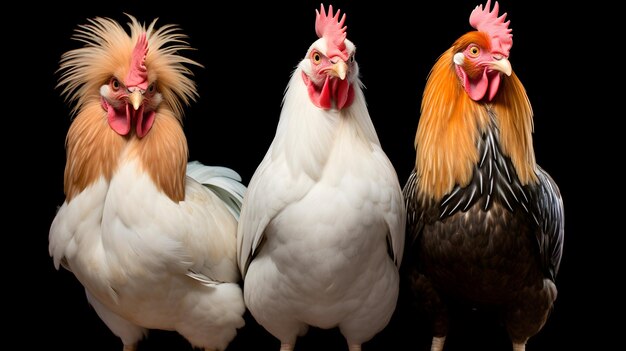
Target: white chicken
(153, 248)
(321, 232)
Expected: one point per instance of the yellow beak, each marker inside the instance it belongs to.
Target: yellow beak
(136, 98)
(503, 65)
(339, 69)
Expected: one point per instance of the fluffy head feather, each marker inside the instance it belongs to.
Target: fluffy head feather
(94, 148)
(108, 52)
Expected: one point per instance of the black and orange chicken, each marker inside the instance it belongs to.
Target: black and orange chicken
(484, 221)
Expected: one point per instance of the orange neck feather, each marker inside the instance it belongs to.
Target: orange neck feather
(94, 150)
(87, 159)
(451, 123)
(163, 154)
(515, 119)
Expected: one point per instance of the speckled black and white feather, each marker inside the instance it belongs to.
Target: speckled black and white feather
(495, 180)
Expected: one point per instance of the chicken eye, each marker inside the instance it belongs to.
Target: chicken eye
(151, 88)
(317, 58)
(474, 51)
(115, 84)
(352, 58)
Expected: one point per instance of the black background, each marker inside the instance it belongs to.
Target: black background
(248, 53)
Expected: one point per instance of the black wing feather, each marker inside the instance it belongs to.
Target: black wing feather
(549, 214)
(495, 179)
(415, 214)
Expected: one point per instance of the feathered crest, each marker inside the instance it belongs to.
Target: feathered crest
(138, 75)
(110, 51)
(333, 29)
(488, 21)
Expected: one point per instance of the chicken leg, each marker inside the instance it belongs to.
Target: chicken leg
(437, 343)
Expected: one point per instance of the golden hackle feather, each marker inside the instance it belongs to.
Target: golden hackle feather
(94, 148)
(515, 118)
(163, 152)
(451, 123)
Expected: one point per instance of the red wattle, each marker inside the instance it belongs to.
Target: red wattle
(485, 86)
(325, 95)
(494, 84)
(341, 91)
(144, 122)
(345, 94)
(477, 88)
(118, 120)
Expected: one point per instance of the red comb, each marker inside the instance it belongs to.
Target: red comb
(489, 22)
(332, 28)
(138, 75)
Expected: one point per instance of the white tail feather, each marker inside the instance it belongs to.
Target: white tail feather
(224, 182)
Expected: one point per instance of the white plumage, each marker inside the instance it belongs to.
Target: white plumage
(148, 262)
(321, 232)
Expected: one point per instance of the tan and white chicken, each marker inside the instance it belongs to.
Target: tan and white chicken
(154, 248)
(321, 233)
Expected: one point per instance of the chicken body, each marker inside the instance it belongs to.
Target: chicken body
(484, 221)
(153, 248)
(321, 229)
(133, 249)
(482, 246)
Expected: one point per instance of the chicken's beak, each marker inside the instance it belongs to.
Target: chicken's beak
(339, 69)
(503, 65)
(136, 98)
